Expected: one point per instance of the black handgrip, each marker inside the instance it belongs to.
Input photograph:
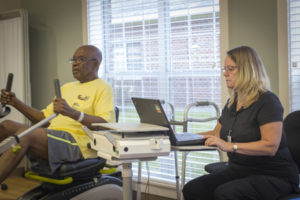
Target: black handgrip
(4, 109)
(8, 85)
(9, 82)
(57, 88)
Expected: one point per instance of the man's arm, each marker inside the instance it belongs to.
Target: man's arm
(61, 106)
(89, 119)
(32, 114)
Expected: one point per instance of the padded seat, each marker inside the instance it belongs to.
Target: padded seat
(215, 167)
(90, 167)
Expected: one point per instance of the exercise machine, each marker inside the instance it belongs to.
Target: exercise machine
(5, 110)
(76, 181)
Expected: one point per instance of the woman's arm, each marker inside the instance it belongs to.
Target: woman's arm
(271, 134)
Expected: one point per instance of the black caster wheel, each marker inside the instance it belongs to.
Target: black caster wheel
(3, 186)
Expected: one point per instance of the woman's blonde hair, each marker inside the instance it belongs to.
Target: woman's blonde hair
(252, 79)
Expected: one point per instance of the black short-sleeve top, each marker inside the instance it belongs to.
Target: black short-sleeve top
(244, 126)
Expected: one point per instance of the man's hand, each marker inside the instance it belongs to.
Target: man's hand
(62, 107)
(8, 97)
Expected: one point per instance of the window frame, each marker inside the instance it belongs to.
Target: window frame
(283, 57)
(158, 187)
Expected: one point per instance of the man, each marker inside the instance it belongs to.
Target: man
(86, 101)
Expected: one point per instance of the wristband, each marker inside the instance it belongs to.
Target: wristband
(81, 116)
(235, 147)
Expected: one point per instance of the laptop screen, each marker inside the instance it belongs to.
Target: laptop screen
(150, 111)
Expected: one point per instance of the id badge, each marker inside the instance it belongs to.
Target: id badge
(228, 138)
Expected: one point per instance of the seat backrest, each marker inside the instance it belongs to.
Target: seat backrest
(291, 126)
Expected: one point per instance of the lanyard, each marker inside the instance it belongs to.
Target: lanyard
(230, 130)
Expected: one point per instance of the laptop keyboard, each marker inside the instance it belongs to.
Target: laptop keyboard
(188, 136)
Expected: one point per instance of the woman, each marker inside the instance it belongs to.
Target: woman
(250, 130)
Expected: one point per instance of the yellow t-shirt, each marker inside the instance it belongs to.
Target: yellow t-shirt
(93, 98)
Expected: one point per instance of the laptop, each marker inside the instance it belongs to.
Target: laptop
(151, 111)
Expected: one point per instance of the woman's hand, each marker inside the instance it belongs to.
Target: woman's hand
(212, 140)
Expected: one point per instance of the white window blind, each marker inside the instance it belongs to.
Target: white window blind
(161, 49)
(14, 57)
(294, 54)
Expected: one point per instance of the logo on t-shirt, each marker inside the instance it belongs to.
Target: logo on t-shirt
(83, 98)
